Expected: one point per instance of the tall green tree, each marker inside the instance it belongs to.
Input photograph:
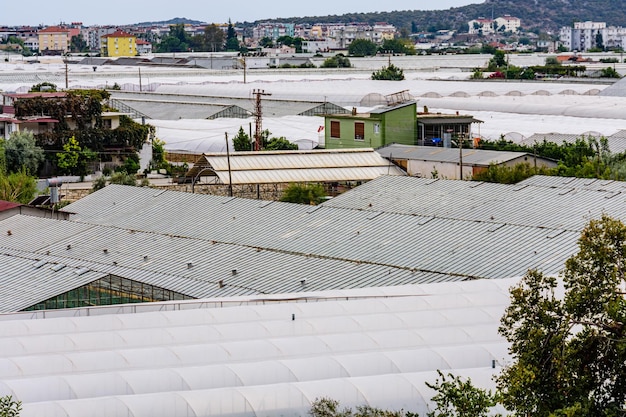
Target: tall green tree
(22, 153)
(390, 73)
(456, 397)
(213, 38)
(232, 43)
(178, 40)
(304, 194)
(241, 141)
(569, 349)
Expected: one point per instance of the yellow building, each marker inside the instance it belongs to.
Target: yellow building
(119, 43)
(54, 40)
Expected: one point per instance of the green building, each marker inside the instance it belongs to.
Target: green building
(379, 127)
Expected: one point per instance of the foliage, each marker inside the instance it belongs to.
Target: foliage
(78, 44)
(232, 43)
(497, 61)
(74, 158)
(304, 194)
(130, 165)
(337, 61)
(391, 73)
(511, 175)
(22, 153)
(397, 46)
(362, 47)
(569, 351)
(587, 157)
(44, 86)
(158, 154)
(456, 397)
(99, 183)
(327, 407)
(9, 407)
(477, 74)
(279, 144)
(17, 186)
(609, 72)
(241, 141)
(212, 40)
(178, 40)
(123, 178)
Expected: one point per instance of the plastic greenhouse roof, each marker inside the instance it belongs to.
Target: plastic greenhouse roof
(374, 346)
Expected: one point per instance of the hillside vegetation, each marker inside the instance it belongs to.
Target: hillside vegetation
(545, 15)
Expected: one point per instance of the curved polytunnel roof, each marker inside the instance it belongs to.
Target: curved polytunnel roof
(388, 391)
(209, 136)
(374, 346)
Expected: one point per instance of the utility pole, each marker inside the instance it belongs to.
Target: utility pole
(258, 118)
(140, 88)
(66, 76)
(230, 178)
(460, 140)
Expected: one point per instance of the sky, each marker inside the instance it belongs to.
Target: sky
(121, 12)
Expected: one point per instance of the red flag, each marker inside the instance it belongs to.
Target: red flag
(319, 129)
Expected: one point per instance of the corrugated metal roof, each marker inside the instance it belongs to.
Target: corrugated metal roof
(297, 166)
(307, 175)
(475, 247)
(190, 265)
(478, 157)
(27, 280)
(611, 188)
(519, 204)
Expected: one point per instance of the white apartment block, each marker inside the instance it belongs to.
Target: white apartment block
(585, 35)
(480, 26)
(507, 23)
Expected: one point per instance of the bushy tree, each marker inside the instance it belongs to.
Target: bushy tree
(18, 187)
(390, 72)
(362, 47)
(73, 160)
(44, 86)
(241, 141)
(569, 343)
(22, 153)
(397, 46)
(280, 144)
(460, 398)
(337, 61)
(304, 194)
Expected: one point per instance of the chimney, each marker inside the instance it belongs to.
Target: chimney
(354, 111)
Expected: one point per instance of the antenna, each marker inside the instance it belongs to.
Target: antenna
(258, 117)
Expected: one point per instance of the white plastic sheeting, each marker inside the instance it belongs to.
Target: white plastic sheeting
(356, 346)
(207, 136)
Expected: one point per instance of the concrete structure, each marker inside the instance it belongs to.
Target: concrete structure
(118, 43)
(583, 36)
(507, 23)
(54, 40)
(395, 123)
(449, 163)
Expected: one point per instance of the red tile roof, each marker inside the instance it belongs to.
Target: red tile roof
(119, 34)
(54, 29)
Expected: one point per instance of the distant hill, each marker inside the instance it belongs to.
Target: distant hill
(545, 15)
(174, 21)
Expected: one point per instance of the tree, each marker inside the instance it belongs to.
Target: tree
(362, 47)
(9, 407)
(390, 72)
(497, 61)
(458, 398)
(569, 343)
(213, 38)
(337, 61)
(44, 86)
(266, 42)
(232, 43)
(304, 194)
(397, 46)
(609, 72)
(17, 186)
(73, 159)
(279, 144)
(78, 44)
(22, 153)
(241, 141)
(178, 40)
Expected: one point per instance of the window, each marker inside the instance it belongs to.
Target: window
(359, 131)
(376, 128)
(335, 130)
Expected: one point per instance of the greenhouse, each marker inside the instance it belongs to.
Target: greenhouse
(255, 356)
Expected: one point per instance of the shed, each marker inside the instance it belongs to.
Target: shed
(430, 161)
(339, 165)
